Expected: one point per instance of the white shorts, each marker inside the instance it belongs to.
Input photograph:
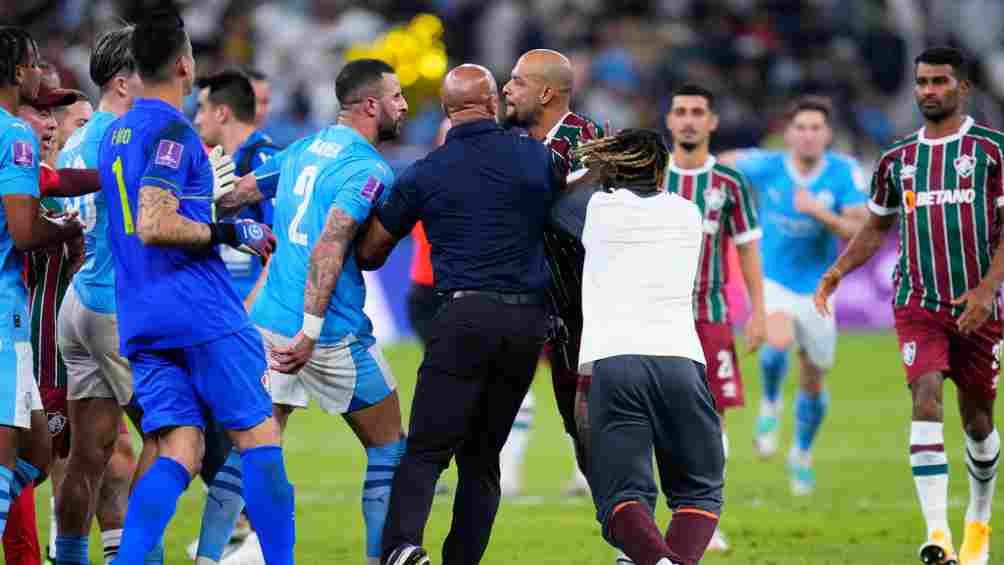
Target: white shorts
(18, 390)
(342, 378)
(814, 333)
(89, 342)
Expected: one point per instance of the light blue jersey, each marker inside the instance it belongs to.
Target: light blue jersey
(335, 167)
(94, 283)
(798, 249)
(19, 174)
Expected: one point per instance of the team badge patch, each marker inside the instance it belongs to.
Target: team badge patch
(964, 165)
(24, 154)
(909, 353)
(169, 153)
(372, 189)
(57, 423)
(715, 197)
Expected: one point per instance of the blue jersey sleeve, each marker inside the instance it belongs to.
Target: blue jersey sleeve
(755, 164)
(851, 191)
(19, 163)
(400, 212)
(364, 186)
(170, 157)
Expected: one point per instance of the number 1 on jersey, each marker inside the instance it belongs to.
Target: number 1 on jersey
(127, 222)
(305, 188)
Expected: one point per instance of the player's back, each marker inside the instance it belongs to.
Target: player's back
(19, 174)
(336, 166)
(167, 297)
(797, 248)
(95, 281)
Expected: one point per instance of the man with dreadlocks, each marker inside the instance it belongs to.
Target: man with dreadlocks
(640, 344)
(21, 228)
(537, 98)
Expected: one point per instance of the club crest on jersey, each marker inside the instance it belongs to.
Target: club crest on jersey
(372, 189)
(24, 154)
(715, 197)
(909, 353)
(907, 172)
(169, 153)
(964, 165)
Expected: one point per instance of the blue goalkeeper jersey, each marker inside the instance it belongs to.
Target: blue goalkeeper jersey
(167, 297)
(19, 174)
(797, 249)
(339, 168)
(94, 283)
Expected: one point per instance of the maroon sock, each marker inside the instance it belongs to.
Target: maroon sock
(632, 528)
(689, 533)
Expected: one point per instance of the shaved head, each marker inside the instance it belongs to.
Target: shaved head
(539, 90)
(469, 93)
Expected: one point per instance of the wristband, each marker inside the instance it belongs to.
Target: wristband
(311, 326)
(223, 232)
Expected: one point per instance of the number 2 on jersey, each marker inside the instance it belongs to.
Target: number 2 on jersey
(304, 188)
(127, 222)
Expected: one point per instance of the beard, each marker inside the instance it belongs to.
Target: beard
(688, 146)
(389, 130)
(513, 119)
(939, 113)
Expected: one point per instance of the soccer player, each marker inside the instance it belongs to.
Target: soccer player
(945, 183)
(22, 460)
(183, 328)
(729, 215)
(262, 96)
(225, 118)
(537, 98)
(809, 199)
(101, 462)
(648, 390)
(310, 309)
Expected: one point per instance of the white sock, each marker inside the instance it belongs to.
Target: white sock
(982, 458)
(725, 444)
(110, 541)
(930, 473)
(53, 528)
(771, 409)
(514, 451)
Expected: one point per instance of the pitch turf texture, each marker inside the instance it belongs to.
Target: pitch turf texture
(864, 509)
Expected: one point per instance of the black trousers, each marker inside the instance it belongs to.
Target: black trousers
(638, 403)
(423, 303)
(479, 364)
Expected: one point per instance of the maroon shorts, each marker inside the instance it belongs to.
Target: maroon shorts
(724, 377)
(930, 342)
(54, 404)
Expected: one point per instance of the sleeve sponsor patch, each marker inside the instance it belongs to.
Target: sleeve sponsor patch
(24, 154)
(169, 153)
(372, 189)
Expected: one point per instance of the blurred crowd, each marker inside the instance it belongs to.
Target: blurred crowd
(628, 55)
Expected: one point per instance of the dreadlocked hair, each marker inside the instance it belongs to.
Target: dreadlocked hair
(631, 159)
(15, 44)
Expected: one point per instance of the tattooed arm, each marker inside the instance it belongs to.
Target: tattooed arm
(245, 193)
(160, 223)
(326, 261)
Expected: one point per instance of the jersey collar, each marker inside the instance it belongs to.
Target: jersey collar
(707, 166)
(157, 104)
(554, 130)
(963, 129)
(806, 180)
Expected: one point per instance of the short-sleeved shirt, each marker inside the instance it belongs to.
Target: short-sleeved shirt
(244, 268)
(947, 193)
(728, 213)
(19, 174)
(797, 249)
(94, 283)
(167, 297)
(484, 198)
(337, 167)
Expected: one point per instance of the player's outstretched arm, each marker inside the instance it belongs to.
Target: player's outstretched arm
(31, 230)
(326, 261)
(752, 267)
(245, 193)
(862, 247)
(74, 182)
(375, 246)
(160, 223)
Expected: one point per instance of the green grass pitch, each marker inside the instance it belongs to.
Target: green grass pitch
(864, 509)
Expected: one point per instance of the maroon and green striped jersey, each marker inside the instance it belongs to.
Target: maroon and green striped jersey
(726, 203)
(47, 278)
(947, 193)
(567, 134)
